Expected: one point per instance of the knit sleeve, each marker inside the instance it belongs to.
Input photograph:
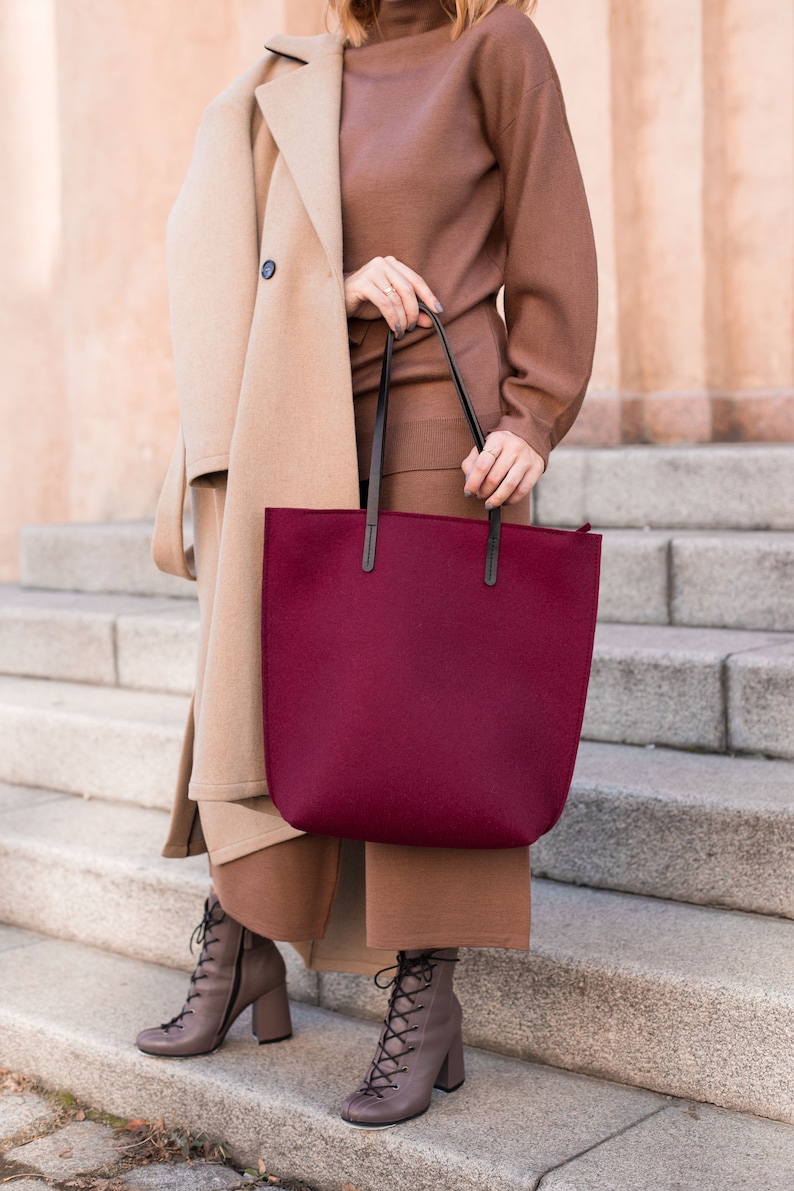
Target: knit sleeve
(551, 294)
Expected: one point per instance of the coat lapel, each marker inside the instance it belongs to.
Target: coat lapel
(302, 109)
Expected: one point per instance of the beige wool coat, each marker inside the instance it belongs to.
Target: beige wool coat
(258, 360)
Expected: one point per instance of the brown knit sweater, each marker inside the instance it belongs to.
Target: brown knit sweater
(456, 158)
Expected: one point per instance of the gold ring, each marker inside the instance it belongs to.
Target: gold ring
(490, 452)
(390, 290)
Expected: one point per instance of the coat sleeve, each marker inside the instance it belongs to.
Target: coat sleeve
(551, 293)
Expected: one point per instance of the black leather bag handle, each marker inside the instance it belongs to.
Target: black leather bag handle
(378, 443)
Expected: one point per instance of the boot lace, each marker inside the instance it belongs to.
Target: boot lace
(202, 936)
(386, 1064)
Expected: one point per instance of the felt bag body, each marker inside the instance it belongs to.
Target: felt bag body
(424, 677)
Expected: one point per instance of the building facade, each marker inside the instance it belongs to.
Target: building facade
(683, 116)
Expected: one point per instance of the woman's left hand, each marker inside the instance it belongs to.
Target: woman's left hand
(504, 472)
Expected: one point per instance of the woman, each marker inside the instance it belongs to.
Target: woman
(423, 153)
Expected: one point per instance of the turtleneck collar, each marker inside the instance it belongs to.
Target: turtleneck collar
(405, 18)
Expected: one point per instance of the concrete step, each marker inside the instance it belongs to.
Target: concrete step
(100, 742)
(713, 689)
(689, 827)
(685, 827)
(615, 985)
(687, 1000)
(684, 1027)
(68, 1014)
(91, 871)
(113, 640)
(712, 486)
(687, 688)
(110, 556)
(716, 579)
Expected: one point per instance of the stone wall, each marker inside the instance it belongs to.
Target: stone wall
(683, 114)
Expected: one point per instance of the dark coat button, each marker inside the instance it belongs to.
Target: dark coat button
(268, 269)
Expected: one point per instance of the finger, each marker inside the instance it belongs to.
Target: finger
(508, 486)
(421, 288)
(405, 289)
(531, 478)
(393, 288)
(498, 446)
(527, 484)
(364, 298)
(496, 473)
(482, 465)
(360, 300)
(389, 305)
(394, 293)
(469, 461)
(507, 448)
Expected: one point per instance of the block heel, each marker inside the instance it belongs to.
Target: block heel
(272, 1021)
(453, 1072)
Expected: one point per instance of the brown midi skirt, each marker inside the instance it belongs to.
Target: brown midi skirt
(349, 906)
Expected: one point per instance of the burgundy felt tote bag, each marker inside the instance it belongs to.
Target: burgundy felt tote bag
(424, 677)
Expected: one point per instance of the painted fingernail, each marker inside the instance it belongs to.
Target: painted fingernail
(439, 307)
(398, 330)
(488, 504)
(467, 494)
(412, 327)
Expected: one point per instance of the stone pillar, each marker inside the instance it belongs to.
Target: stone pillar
(697, 248)
(34, 432)
(658, 110)
(752, 159)
(578, 34)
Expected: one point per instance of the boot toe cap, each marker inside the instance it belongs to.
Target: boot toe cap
(361, 1109)
(158, 1041)
(367, 1111)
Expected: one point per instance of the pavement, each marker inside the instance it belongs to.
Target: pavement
(49, 1141)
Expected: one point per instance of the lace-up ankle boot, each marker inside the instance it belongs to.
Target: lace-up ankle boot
(420, 1046)
(236, 969)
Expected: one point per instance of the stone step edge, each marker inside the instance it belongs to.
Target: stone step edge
(725, 722)
(90, 556)
(173, 885)
(577, 969)
(596, 790)
(704, 486)
(303, 1137)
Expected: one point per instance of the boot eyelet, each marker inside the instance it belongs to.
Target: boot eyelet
(403, 1068)
(396, 1087)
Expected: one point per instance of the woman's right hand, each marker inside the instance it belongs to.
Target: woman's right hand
(387, 287)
